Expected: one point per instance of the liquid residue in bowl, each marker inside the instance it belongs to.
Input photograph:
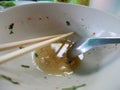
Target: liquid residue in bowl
(52, 58)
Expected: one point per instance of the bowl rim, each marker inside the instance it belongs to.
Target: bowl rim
(59, 3)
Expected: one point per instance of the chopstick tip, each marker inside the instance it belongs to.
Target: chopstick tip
(71, 33)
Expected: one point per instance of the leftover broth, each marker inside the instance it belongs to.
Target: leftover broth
(52, 58)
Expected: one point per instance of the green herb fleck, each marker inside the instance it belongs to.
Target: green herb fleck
(10, 4)
(25, 66)
(74, 87)
(6, 4)
(21, 47)
(68, 23)
(11, 26)
(9, 79)
(36, 54)
(82, 2)
(11, 32)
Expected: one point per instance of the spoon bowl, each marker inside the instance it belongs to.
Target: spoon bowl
(82, 46)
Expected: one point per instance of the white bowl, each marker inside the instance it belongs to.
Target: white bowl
(100, 67)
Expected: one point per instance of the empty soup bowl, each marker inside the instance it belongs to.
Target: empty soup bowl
(100, 67)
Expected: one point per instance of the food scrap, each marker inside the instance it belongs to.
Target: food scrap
(45, 77)
(9, 79)
(39, 18)
(11, 28)
(11, 32)
(94, 33)
(29, 18)
(36, 55)
(25, 66)
(74, 87)
(47, 17)
(21, 47)
(68, 23)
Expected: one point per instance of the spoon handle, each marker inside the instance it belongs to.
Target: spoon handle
(103, 41)
(81, 47)
(95, 42)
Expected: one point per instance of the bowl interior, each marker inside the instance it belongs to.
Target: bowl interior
(37, 20)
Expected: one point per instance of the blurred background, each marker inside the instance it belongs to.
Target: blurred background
(109, 6)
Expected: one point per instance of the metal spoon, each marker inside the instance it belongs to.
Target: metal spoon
(82, 46)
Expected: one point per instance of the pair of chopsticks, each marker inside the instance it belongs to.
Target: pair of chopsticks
(36, 43)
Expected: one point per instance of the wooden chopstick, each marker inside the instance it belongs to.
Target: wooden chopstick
(12, 45)
(12, 55)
